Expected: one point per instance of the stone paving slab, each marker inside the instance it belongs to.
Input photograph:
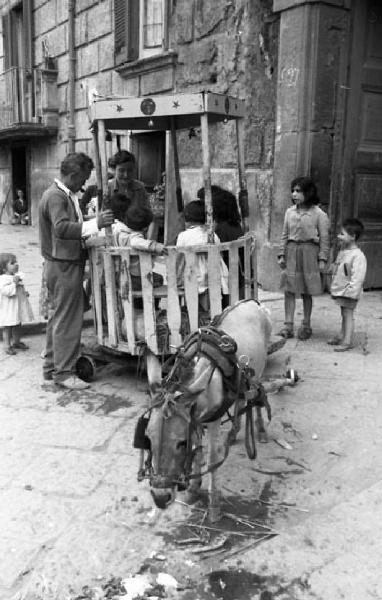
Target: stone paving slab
(312, 563)
(34, 516)
(56, 428)
(15, 559)
(15, 457)
(64, 471)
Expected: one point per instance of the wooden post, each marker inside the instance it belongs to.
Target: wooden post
(98, 168)
(179, 199)
(102, 153)
(243, 195)
(207, 177)
(173, 220)
(103, 158)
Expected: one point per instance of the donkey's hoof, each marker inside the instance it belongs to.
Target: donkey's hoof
(231, 439)
(263, 437)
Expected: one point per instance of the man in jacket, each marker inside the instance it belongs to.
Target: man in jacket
(62, 231)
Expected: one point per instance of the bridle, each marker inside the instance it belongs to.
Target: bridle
(168, 400)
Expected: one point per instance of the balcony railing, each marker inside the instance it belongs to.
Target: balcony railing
(28, 96)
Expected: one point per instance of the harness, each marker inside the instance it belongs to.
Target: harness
(220, 349)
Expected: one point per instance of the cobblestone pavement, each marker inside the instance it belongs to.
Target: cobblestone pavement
(72, 513)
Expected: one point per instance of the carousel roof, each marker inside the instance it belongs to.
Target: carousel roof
(181, 111)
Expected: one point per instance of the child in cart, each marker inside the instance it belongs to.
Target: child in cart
(137, 218)
(15, 307)
(196, 234)
(131, 234)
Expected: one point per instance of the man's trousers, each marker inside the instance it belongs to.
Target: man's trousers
(63, 333)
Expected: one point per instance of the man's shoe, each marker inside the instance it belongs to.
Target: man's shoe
(73, 383)
(20, 346)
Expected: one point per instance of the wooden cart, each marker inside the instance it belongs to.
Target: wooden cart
(169, 312)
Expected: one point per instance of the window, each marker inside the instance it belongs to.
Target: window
(140, 29)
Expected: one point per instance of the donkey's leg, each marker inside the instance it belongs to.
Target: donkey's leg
(193, 491)
(213, 457)
(262, 433)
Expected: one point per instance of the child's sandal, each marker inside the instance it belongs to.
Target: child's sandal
(304, 333)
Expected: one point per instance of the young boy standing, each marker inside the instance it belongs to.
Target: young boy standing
(348, 277)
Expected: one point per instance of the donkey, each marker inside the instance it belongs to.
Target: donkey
(194, 398)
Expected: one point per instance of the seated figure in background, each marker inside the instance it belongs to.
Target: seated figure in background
(20, 209)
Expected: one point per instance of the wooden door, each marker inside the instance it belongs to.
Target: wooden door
(362, 169)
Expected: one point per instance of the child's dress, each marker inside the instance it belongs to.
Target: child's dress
(15, 307)
(304, 241)
(349, 272)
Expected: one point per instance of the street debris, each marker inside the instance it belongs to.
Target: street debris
(141, 586)
(282, 505)
(168, 581)
(284, 444)
(219, 543)
(156, 556)
(314, 436)
(246, 547)
(336, 453)
(291, 462)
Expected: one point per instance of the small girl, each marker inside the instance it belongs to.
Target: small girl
(304, 251)
(348, 276)
(15, 307)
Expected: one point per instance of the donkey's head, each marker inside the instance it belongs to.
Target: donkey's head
(170, 430)
(174, 430)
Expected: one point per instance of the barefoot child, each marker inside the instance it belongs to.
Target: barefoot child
(303, 254)
(14, 304)
(348, 277)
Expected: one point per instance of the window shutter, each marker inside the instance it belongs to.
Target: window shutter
(133, 29)
(7, 41)
(126, 30)
(27, 31)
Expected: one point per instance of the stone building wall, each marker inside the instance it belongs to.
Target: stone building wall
(231, 51)
(228, 47)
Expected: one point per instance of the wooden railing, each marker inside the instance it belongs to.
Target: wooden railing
(126, 318)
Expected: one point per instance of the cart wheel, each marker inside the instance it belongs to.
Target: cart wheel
(86, 368)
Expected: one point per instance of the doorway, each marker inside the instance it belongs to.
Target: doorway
(362, 165)
(20, 179)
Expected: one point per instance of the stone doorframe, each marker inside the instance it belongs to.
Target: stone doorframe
(312, 65)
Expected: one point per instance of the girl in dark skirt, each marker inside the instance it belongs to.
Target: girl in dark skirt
(303, 254)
